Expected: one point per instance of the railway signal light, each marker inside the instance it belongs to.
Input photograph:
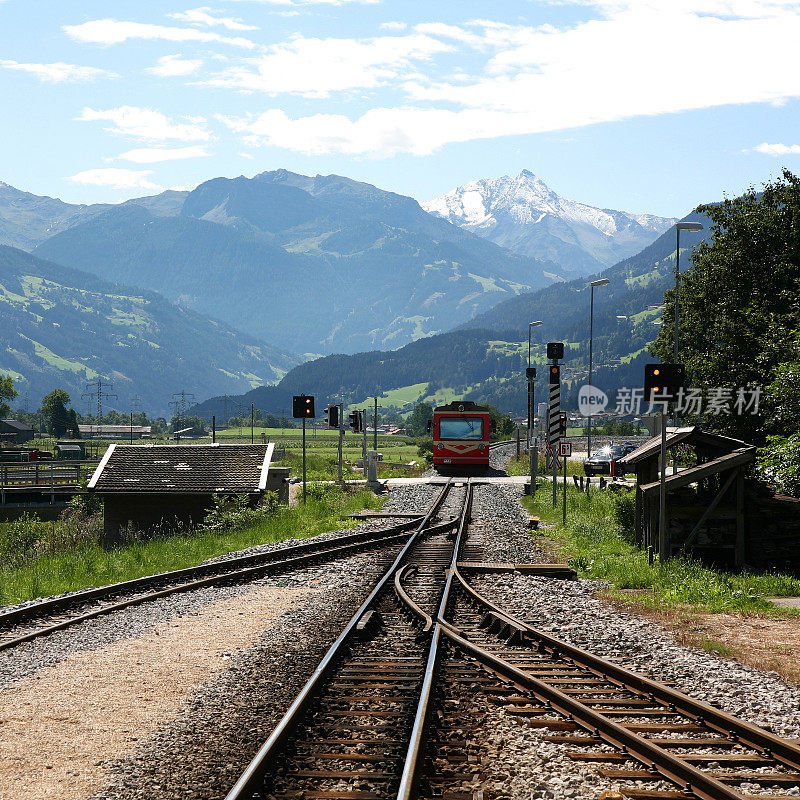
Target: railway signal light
(663, 381)
(303, 406)
(555, 350)
(530, 373)
(356, 421)
(562, 422)
(555, 374)
(332, 416)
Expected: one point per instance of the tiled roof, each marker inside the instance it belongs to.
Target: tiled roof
(187, 469)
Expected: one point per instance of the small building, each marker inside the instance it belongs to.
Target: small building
(115, 431)
(166, 486)
(14, 432)
(705, 506)
(70, 450)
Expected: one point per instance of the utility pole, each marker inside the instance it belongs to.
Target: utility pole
(180, 403)
(252, 422)
(375, 427)
(96, 391)
(364, 443)
(341, 440)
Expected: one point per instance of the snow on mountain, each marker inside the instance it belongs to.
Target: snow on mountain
(526, 215)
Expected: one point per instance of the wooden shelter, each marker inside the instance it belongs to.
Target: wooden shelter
(165, 486)
(705, 503)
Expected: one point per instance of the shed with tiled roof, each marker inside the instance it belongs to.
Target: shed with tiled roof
(165, 486)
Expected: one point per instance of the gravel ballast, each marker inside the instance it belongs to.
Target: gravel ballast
(201, 749)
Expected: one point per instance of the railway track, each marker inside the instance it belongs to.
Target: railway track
(355, 726)
(47, 616)
(381, 719)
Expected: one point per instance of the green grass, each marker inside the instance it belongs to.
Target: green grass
(595, 544)
(521, 466)
(91, 565)
(325, 466)
(397, 398)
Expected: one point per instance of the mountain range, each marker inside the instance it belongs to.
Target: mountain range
(318, 265)
(204, 278)
(485, 359)
(527, 216)
(63, 328)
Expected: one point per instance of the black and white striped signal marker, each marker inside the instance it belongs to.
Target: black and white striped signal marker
(554, 426)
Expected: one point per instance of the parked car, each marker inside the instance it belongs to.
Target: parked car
(599, 463)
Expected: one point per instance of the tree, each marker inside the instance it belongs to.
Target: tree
(7, 392)
(740, 304)
(502, 424)
(417, 423)
(54, 412)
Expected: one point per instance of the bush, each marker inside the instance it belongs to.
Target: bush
(231, 513)
(19, 538)
(425, 448)
(624, 514)
(778, 464)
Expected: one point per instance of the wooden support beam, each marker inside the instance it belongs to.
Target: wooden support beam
(740, 533)
(741, 457)
(707, 513)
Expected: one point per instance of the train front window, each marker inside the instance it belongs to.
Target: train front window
(461, 428)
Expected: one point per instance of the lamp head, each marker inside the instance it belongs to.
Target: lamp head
(689, 226)
(600, 282)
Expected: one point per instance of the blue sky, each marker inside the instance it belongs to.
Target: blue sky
(640, 105)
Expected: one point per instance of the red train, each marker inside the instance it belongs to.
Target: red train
(461, 432)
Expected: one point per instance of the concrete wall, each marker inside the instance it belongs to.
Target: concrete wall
(151, 512)
(148, 512)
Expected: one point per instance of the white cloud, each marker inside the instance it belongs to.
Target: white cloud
(379, 132)
(393, 26)
(317, 67)
(622, 63)
(155, 155)
(245, 155)
(145, 123)
(111, 31)
(59, 72)
(777, 149)
(202, 16)
(116, 178)
(310, 2)
(175, 66)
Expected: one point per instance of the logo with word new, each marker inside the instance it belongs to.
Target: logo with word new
(591, 400)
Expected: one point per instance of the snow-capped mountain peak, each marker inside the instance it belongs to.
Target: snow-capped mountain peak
(525, 214)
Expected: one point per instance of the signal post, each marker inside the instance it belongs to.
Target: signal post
(661, 384)
(555, 352)
(303, 408)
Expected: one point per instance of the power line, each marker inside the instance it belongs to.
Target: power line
(96, 392)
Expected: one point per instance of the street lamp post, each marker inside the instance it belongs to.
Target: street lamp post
(533, 454)
(599, 282)
(679, 226)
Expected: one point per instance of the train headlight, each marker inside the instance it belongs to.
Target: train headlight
(440, 446)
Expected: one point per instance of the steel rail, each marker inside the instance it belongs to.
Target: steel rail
(244, 574)
(56, 604)
(410, 774)
(782, 750)
(689, 778)
(266, 757)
